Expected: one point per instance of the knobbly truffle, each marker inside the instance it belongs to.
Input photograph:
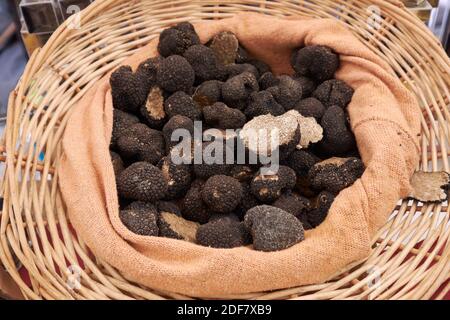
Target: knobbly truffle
(122, 121)
(261, 66)
(310, 107)
(203, 61)
(222, 193)
(180, 103)
(321, 205)
(208, 93)
(178, 178)
(141, 181)
(267, 80)
(308, 85)
(288, 92)
(223, 233)
(219, 115)
(168, 206)
(334, 93)
(337, 138)
(317, 62)
(261, 103)
(117, 163)
(236, 90)
(301, 161)
(175, 74)
(176, 39)
(273, 229)
(193, 207)
(141, 143)
(248, 201)
(335, 174)
(268, 187)
(233, 70)
(293, 203)
(173, 226)
(225, 46)
(140, 218)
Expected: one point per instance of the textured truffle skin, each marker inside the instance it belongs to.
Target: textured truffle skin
(205, 170)
(168, 206)
(223, 233)
(180, 103)
(141, 181)
(288, 92)
(174, 123)
(233, 70)
(225, 46)
(308, 85)
(219, 115)
(141, 143)
(122, 121)
(242, 55)
(293, 203)
(140, 218)
(203, 61)
(321, 206)
(273, 229)
(267, 188)
(177, 39)
(175, 74)
(222, 193)
(236, 90)
(193, 207)
(248, 201)
(178, 177)
(117, 163)
(268, 80)
(208, 93)
(262, 103)
(317, 62)
(337, 138)
(334, 93)
(310, 107)
(261, 66)
(301, 161)
(335, 174)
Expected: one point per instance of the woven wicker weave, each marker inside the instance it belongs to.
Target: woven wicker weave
(411, 252)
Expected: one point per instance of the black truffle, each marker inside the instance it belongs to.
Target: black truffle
(177, 122)
(222, 193)
(310, 107)
(225, 46)
(293, 203)
(267, 188)
(141, 143)
(321, 205)
(211, 165)
(236, 90)
(233, 70)
(242, 55)
(262, 103)
(273, 229)
(153, 109)
(203, 61)
(180, 103)
(175, 74)
(248, 201)
(337, 138)
(335, 174)
(176, 39)
(317, 62)
(241, 172)
(288, 92)
(301, 161)
(220, 116)
(122, 122)
(308, 85)
(334, 93)
(168, 206)
(268, 80)
(208, 93)
(140, 218)
(141, 181)
(178, 177)
(223, 233)
(193, 207)
(117, 163)
(261, 66)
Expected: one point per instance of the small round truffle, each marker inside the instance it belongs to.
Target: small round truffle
(140, 218)
(176, 39)
(334, 93)
(222, 193)
(203, 61)
(301, 161)
(267, 188)
(321, 205)
(223, 233)
(261, 103)
(180, 103)
(193, 208)
(273, 229)
(178, 177)
(310, 107)
(141, 143)
(236, 90)
(219, 115)
(335, 174)
(317, 62)
(175, 74)
(122, 121)
(288, 92)
(268, 80)
(208, 93)
(142, 181)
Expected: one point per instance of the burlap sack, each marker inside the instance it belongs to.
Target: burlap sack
(384, 117)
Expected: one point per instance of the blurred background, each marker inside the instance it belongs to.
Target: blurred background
(27, 24)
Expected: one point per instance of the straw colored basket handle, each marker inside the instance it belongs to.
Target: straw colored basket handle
(411, 252)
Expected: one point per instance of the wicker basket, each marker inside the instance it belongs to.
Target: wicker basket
(411, 252)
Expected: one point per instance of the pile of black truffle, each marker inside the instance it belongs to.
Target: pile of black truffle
(229, 205)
